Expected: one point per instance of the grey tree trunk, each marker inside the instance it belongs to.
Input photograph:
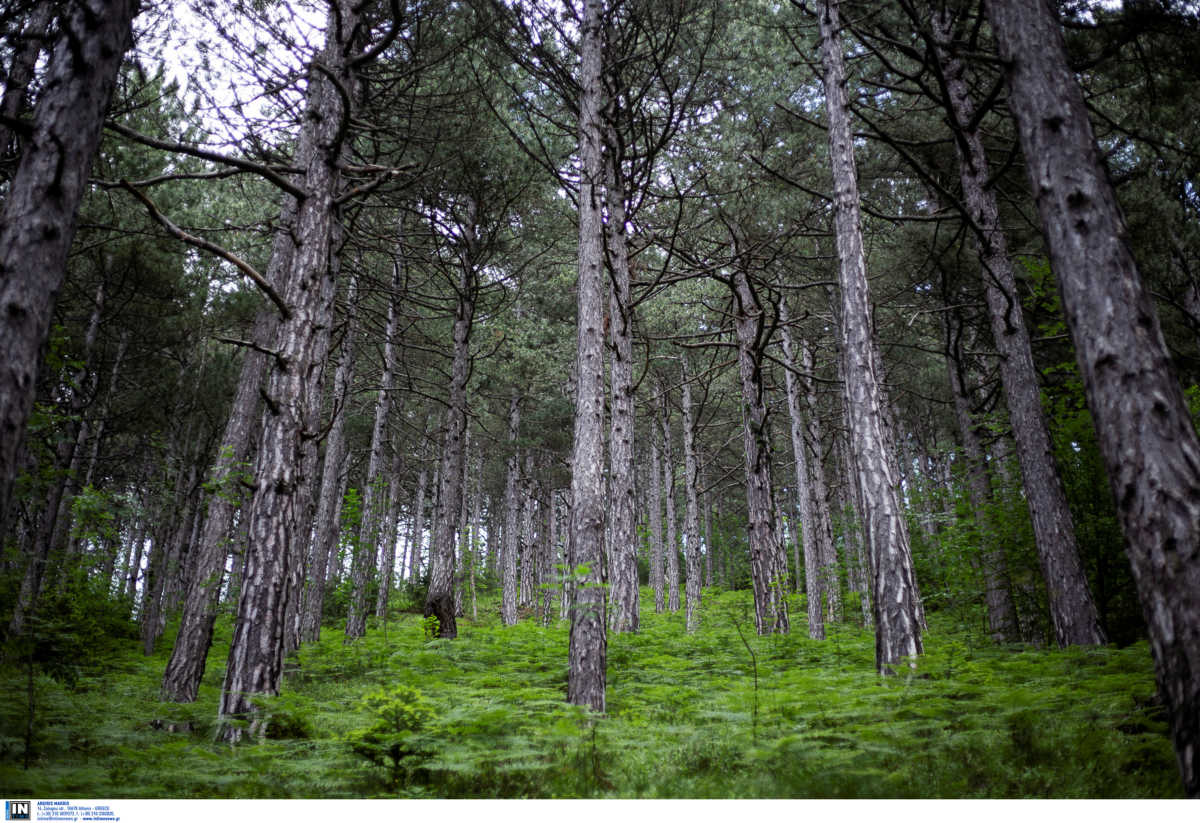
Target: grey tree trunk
(439, 602)
(528, 538)
(822, 521)
(25, 52)
(813, 572)
(290, 424)
(766, 548)
(896, 598)
(588, 638)
(622, 550)
(1142, 422)
(416, 535)
(1073, 613)
(185, 670)
(391, 533)
(656, 526)
(512, 518)
(38, 217)
(671, 547)
(691, 519)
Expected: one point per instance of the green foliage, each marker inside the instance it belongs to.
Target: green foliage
(397, 714)
(394, 739)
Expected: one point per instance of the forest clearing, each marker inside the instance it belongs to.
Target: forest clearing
(600, 398)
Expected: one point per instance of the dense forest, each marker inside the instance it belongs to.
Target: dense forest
(605, 398)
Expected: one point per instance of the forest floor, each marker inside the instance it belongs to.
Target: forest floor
(704, 715)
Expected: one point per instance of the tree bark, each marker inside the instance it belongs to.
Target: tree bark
(290, 424)
(766, 549)
(1146, 435)
(1073, 613)
(897, 607)
(38, 216)
(588, 637)
(822, 520)
(656, 526)
(813, 573)
(512, 518)
(671, 547)
(691, 520)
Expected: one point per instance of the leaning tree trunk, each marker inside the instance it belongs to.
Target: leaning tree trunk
(26, 50)
(185, 670)
(1143, 426)
(588, 639)
(289, 425)
(512, 518)
(38, 217)
(439, 601)
(1073, 613)
(813, 577)
(766, 548)
(897, 606)
(691, 518)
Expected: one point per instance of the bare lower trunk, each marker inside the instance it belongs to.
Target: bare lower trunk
(38, 217)
(656, 527)
(512, 518)
(766, 549)
(290, 423)
(671, 547)
(822, 521)
(691, 520)
(1143, 425)
(813, 577)
(588, 638)
(897, 607)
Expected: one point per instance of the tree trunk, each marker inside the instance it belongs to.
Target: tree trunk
(38, 217)
(766, 550)
(671, 548)
(25, 52)
(290, 424)
(185, 670)
(1072, 611)
(1143, 426)
(813, 572)
(439, 602)
(588, 638)
(822, 521)
(896, 598)
(691, 519)
(512, 518)
(656, 526)
(391, 533)
(416, 537)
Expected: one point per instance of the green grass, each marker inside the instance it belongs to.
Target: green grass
(971, 720)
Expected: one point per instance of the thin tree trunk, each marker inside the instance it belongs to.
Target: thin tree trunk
(822, 521)
(897, 601)
(691, 520)
(416, 535)
(813, 572)
(1143, 425)
(26, 48)
(38, 217)
(512, 518)
(671, 548)
(656, 526)
(391, 534)
(588, 638)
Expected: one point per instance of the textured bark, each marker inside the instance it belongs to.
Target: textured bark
(588, 638)
(416, 536)
(512, 518)
(290, 424)
(671, 546)
(813, 578)
(38, 216)
(390, 531)
(822, 520)
(1142, 422)
(527, 539)
(1073, 613)
(897, 607)
(26, 49)
(622, 550)
(656, 527)
(1002, 616)
(691, 519)
(439, 601)
(768, 560)
(181, 680)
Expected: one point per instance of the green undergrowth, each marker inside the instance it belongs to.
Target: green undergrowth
(399, 715)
